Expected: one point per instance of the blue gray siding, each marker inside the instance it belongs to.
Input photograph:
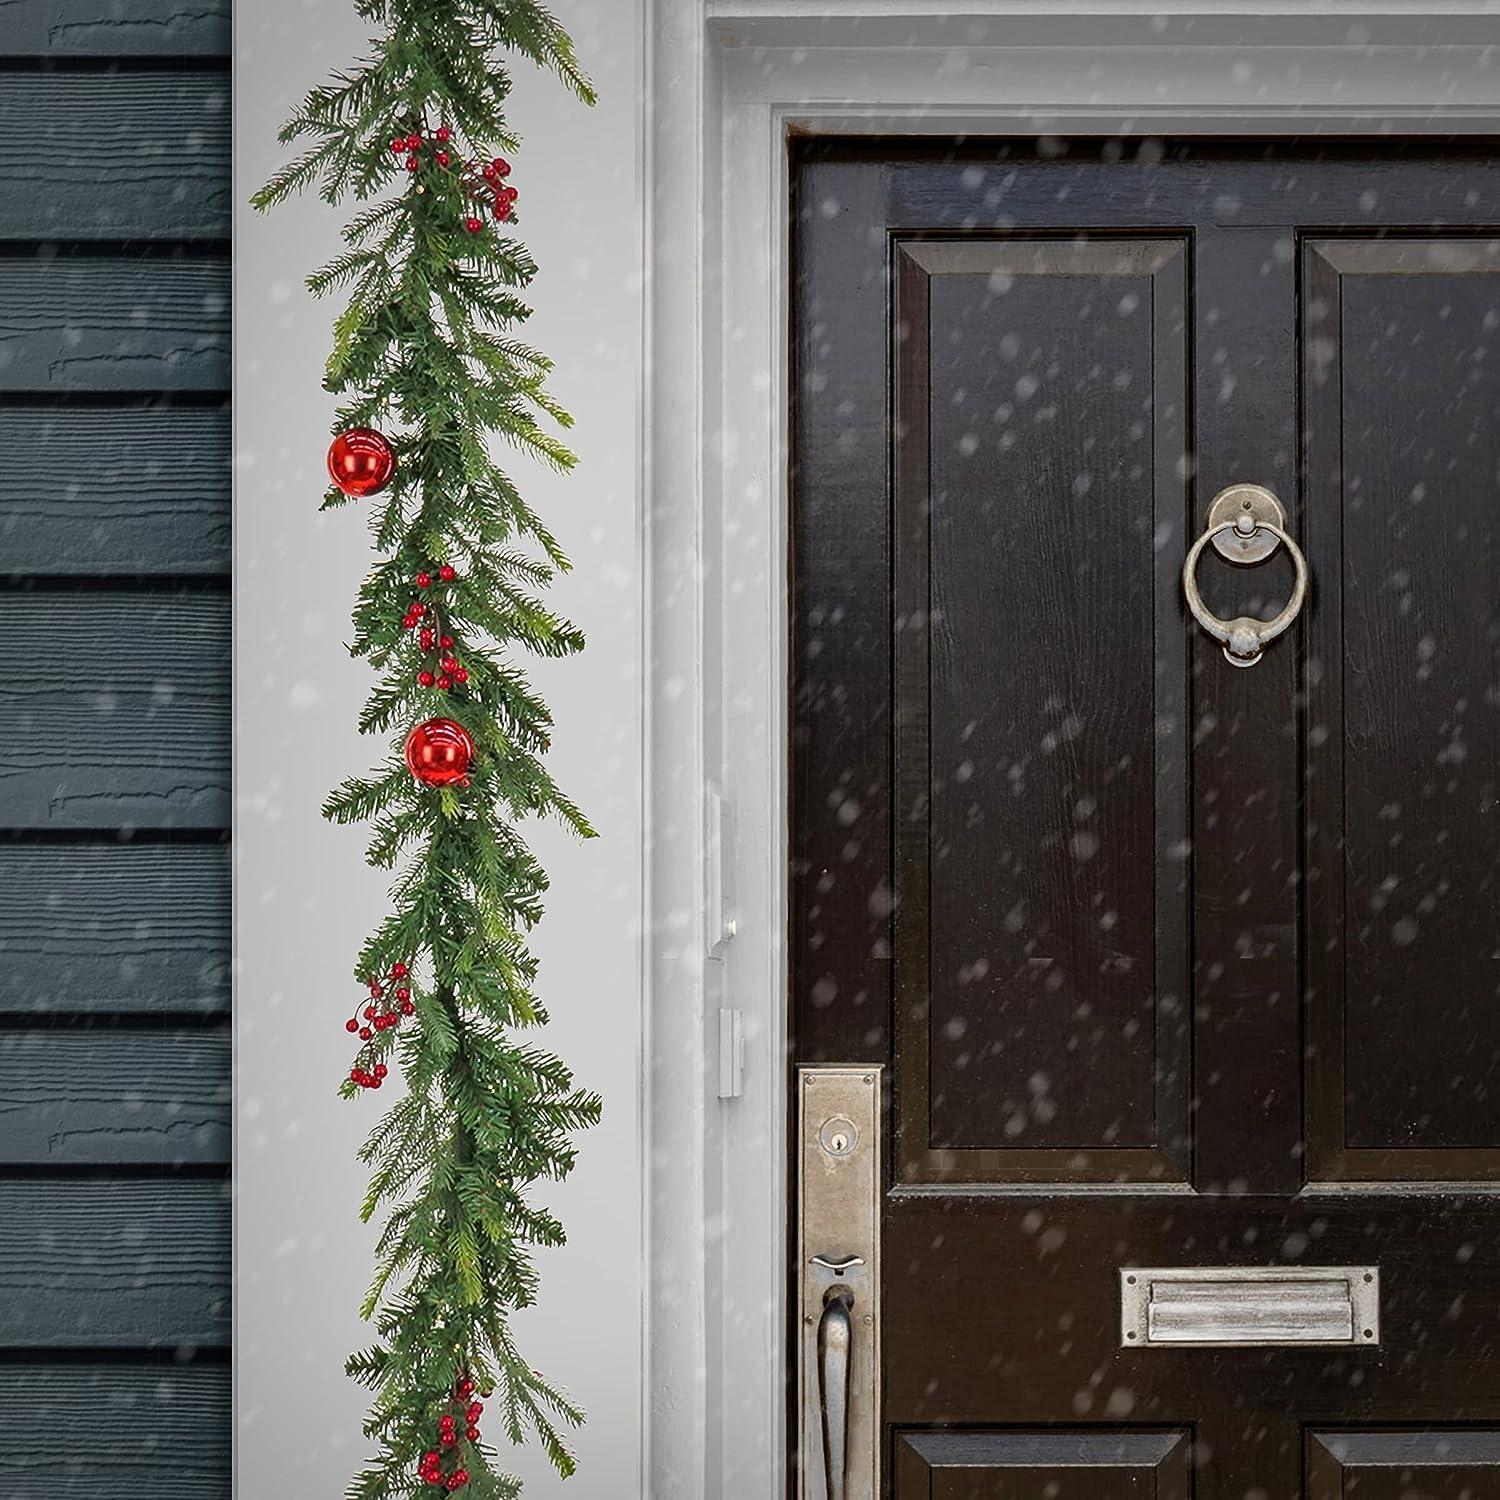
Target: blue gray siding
(115, 202)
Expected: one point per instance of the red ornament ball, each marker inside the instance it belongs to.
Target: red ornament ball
(440, 752)
(361, 462)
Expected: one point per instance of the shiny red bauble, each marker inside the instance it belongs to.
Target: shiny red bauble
(361, 462)
(440, 752)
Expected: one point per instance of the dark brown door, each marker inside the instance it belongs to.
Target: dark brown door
(1171, 964)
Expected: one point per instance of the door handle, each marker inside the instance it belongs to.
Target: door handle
(1246, 524)
(835, 1346)
(839, 1264)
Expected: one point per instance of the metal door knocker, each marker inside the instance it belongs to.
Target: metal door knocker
(1246, 524)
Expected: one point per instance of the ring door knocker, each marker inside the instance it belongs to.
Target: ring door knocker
(1246, 524)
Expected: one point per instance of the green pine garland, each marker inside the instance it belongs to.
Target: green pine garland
(425, 352)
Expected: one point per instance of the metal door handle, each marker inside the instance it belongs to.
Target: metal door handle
(835, 1338)
(1241, 519)
(839, 1264)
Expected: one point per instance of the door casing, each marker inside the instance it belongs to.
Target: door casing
(717, 606)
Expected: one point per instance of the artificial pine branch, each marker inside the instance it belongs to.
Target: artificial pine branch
(426, 351)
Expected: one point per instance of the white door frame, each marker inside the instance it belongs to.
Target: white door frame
(727, 81)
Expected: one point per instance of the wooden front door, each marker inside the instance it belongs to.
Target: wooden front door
(1169, 964)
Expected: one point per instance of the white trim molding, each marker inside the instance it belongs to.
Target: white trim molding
(728, 81)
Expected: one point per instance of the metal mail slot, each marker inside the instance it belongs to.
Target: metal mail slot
(1217, 1307)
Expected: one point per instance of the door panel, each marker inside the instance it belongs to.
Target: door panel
(1404, 917)
(1032, 1465)
(1438, 1465)
(1039, 459)
(1168, 963)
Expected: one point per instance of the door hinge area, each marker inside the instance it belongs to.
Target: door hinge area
(731, 1053)
(718, 924)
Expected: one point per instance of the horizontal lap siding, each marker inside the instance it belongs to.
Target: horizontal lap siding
(114, 750)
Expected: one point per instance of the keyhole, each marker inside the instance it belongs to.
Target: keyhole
(838, 1137)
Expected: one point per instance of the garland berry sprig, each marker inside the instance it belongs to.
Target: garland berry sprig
(428, 371)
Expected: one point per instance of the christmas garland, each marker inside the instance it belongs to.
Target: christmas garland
(427, 369)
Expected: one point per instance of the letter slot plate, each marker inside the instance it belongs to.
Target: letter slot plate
(1223, 1307)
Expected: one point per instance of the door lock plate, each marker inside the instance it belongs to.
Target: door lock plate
(838, 1261)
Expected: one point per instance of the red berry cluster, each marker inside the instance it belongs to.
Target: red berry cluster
(441, 668)
(494, 175)
(411, 147)
(489, 190)
(380, 1014)
(431, 1467)
(484, 184)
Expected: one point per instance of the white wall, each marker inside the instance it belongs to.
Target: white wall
(304, 898)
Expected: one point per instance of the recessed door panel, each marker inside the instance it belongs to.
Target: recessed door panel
(1053, 1465)
(1402, 364)
(1438, 1464)
(1040, 689)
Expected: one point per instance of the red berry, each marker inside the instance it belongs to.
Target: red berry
(475, 1411)
(418, 610)
(399, 144)
(381, 1070)
(402, 993)
(443, 133)
(375, 988)
(461, 676)
(426, 639)
(448, 1437)
(501, 167)
(425, 679)
(354, 1075)
(414, 143)
(351, 1025)
(446, 642)
(447, 573)
(399, 971)
(407, 1008)
(424, 580)
(458, 1479)
(502, 212)
(374, 1083)
(413, 162)
(369, 1012)
(445, 682)
(447, 1420)
(472, 1433)
(450, 664)
(365, 1033)
(473, 225)
(442, 158)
